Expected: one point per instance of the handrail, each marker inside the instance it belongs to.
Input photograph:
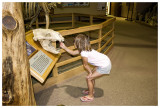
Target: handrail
(108, 22)
(86, 28)
(79, 30)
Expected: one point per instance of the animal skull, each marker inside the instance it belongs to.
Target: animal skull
(47, 38)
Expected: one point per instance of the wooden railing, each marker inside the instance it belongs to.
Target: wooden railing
(71, 20)
(76, 70)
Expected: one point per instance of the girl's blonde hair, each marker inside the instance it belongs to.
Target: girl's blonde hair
(82, 42)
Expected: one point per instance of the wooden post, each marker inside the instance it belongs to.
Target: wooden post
(91, 19)
(16, 79)
(99, 37)
(55, 71)
(90, 33)
(113, 32)
(37, 26)
(73, 20)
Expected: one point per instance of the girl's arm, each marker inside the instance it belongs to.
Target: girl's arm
(94, 69)
(76, 52)
(85, 64)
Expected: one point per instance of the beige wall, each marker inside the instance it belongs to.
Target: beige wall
(91, 9)
(124, 10)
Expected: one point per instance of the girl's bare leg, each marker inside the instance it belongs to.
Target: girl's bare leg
(93, 81)
(90, 82)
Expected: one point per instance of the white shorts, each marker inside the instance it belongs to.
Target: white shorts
(104, 70)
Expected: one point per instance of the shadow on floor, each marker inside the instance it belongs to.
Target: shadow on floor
(43, 97)
(76, 92)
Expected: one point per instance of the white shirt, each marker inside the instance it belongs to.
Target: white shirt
(96, 59)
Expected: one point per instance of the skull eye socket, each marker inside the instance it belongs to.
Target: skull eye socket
(57, 44)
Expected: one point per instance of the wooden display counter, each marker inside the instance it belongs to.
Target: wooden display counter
(37, 46)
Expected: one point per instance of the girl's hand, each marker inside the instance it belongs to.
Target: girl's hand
(89, 75)
(62, 45)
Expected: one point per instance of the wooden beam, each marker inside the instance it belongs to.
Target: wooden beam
(80, 14)
(113, 32)
(68, 61)
(53, 22)
(61, 15)
(108, 33)
(99, 37)
(101, 17)
(94, 41)
(29, 32)
(91, 19)
(55, 71)
(100, 49)
(82, 22)
(109, 21)
(37, 26)
(57, 28)
(109, 48)
(79, 30)
(17, 87)
(73, 20)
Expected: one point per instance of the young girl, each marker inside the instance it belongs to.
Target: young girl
(100, 61)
